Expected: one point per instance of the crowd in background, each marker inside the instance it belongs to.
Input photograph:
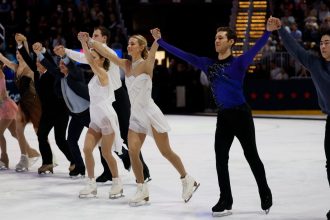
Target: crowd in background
(177, 87)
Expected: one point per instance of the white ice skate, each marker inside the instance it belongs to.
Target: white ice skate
(141, 196)
(3, 166)
(116, 190)
(189, 186)
(33, 160)
(23, 164)
(90, 190)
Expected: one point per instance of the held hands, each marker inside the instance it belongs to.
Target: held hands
(156, 33)
(83, 37)
(273, 24)
(59, 50)
(20, 38)
(37, 48)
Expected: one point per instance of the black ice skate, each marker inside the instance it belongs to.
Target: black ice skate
(267, 202)
(222, 208)
(77, 171)
(104, 177)
(328, 215)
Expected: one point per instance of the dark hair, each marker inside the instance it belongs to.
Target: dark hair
(106, 63)
(231, 34)
(325, 32)
(1, 64)
(104, 32)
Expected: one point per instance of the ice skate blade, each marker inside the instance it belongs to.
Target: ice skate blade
(77, 177)
(221, 214)
(86, 196)
(196, 187)
(267, 211)
(45, 172)
(21, 170)
(140, 203)
(116, 196)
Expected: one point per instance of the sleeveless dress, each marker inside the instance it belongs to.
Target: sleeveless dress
(29, 102)
(8, 108)
(144, 112)
(103, 116)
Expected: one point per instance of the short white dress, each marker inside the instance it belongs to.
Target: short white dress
(103, 116)
(144, 112)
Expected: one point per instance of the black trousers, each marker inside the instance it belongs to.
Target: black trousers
(237, 122)
(59, 122)
(76, 126)
(122, 107)
(327, 146)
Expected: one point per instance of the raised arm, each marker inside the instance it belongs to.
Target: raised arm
(8, 63)
(122, 63)
(201, 63)
(22, 46)
(97, 70)
(294, 48)
(76, 56)
(150, 61)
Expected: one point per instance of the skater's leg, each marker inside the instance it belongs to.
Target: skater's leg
(189, 185)
(163, 144)
(327, 147)
(135, 141)
(91, 139)
(223, 140)
(246, 135)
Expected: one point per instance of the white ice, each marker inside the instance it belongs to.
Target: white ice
(292, 152)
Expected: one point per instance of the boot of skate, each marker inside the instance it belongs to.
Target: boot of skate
(116, 190)
(90, 190)
(266, 200)
(223, 207)
(46, 168)
(4, 161)
(33, 156)
(189, 186)
(141, 196)
(23, 164)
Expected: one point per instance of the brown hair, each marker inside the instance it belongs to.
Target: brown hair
(106, 63)
(142, 42)
(104, 32)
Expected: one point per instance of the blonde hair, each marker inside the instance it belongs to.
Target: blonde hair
(142, 42)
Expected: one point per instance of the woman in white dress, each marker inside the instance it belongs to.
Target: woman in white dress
(146, 118)
(104, 126)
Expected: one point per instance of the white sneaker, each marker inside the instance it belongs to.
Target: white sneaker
(90, 190)
(116, 190)
(189, 186)
(23, 164)
(141, 196)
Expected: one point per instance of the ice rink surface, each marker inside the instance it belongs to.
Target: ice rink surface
(292, 152)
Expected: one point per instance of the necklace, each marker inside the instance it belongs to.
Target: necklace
(136, 62)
